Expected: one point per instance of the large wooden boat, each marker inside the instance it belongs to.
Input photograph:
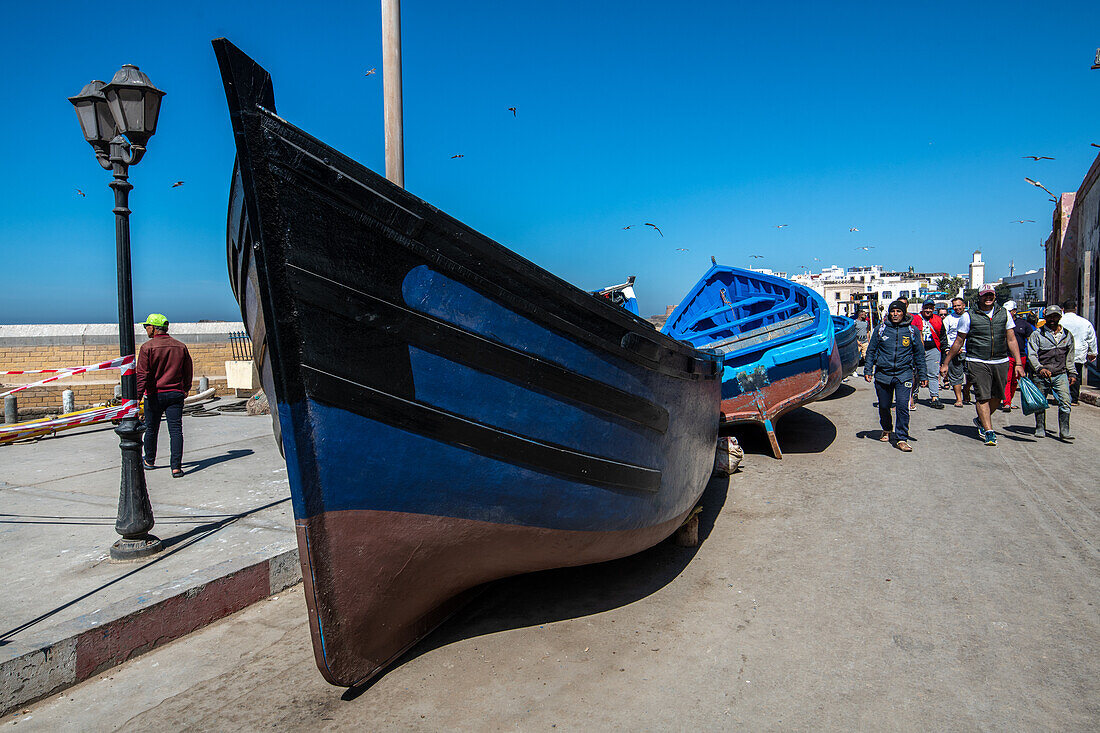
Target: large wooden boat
(844, 330)
(776, 336)
(449, 412)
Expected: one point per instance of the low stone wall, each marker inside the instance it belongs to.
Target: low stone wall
(65, 345)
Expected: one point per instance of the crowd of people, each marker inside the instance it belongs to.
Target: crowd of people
(980, 352)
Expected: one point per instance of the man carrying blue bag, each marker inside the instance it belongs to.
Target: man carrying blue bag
(1050, 354)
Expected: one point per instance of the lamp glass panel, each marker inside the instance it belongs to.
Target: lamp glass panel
(152, 111)
(105, 121)
(133, 109)
(86, 114)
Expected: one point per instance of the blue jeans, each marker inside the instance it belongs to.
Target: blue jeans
(932, 360)
(1059, 385)
(170, 406)
(896, 394)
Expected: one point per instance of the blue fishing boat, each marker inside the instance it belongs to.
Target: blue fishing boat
(844, 329)
(621, 295)
(449, 413)
(777, 339)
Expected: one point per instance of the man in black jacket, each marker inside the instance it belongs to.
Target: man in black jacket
(895, 358)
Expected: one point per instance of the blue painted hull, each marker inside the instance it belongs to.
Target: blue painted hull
(776, 337)
(449, 413)
(845, 330)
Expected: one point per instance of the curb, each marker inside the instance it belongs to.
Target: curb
(92, 643)
(1090, 395)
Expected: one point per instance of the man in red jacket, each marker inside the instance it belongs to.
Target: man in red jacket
(163, 379)
(934, 340)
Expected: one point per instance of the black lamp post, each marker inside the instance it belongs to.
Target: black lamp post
(117, 120)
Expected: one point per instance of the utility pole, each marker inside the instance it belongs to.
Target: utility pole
(391, 90)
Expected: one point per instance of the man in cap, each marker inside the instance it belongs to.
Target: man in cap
(895, 362)
(985, 331)
(934, 341)
(1051, 355)
(163, 379)
(956, 376)
(1084, 345)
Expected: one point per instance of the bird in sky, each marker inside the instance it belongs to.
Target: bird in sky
(817, 259)
(1037, 157)
(512, 110)
(1039, 185)
(460, 155)
(80, 193)
(1095, 145)
(681, 249)
(757, 257)
(780, 226)
(854, 229)
(866, 248)
(371, 71)
(1024, 221)
(177, 184)
(655, 227)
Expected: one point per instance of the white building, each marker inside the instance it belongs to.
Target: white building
(1027, 286)
(977, 271)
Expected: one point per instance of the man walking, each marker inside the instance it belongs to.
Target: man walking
(863, 333)
(164, 379)
(1051, 355)
(985, 332)
(895, 358)
(955, 373)
(1022, 332)
(1084, 345)
(934, 341)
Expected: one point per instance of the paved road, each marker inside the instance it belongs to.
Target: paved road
(848, 586)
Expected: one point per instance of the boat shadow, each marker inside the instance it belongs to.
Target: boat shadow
(842, 391)
(799, 431)
(544, 597)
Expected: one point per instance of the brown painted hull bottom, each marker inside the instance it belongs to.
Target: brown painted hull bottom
(779, 398)
(396, 576)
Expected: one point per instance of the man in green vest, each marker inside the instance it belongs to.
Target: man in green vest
(986, 330)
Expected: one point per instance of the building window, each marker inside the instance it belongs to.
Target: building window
(837, 294)
(887, 294)
(903, 294)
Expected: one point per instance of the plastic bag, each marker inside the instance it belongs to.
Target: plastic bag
(1031, 398)
(728, 456)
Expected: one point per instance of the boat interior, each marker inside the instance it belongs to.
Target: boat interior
(733, 310)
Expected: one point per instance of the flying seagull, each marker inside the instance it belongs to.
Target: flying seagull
(512, 110)
(854, 229)
(80, 193)
(1039, 185)
(681, 249)
(866, 248)
(1095, 145)
(757, 257)
(780, 226)
(655, 227)
(460, 155)
(1037, 157)
(371, 71)
(177, 184)
(1023, 221)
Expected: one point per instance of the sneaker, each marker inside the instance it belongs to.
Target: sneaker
(936, 405)
(990, 437)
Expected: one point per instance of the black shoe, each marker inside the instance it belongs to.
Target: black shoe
(936, 405)
(177, 473)
(149, 466)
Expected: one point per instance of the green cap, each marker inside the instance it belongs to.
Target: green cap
(156, 319)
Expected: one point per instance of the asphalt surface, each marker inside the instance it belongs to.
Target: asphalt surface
(847, 587)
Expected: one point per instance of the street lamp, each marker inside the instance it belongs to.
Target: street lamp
(117, 120)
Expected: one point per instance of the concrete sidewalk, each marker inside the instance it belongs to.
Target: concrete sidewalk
(69, 611)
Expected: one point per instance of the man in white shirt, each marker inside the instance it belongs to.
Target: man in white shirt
(1084, 345)
(987, 332)
(955, 373)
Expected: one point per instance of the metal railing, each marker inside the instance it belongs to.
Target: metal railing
(241, 346)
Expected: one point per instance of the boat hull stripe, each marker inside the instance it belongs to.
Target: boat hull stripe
(487, 440)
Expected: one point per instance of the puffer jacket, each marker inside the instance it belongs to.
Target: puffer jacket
(896, 352)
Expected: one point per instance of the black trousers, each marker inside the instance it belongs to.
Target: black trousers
(1075, 388)
(170, 406)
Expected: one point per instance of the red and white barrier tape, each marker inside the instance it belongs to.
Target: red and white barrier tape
(126, 363)
(19, 431)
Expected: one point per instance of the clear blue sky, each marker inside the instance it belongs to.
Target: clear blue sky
(716, 121)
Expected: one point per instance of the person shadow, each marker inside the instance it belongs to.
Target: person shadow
(193, 466)
(534, 599)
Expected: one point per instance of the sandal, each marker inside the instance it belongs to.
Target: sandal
(148, 465)
(904, 447)
(177, 473)
(885, 437)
